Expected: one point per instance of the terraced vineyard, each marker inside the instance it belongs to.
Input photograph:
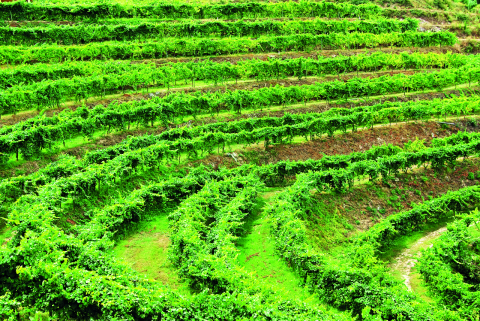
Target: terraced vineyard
(251, 160)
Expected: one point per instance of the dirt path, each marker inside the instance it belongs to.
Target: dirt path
(406, 260)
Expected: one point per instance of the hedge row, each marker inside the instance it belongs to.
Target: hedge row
(81, 34)
(218, 72)
(31, 11)
(449, 267)
(195, 47)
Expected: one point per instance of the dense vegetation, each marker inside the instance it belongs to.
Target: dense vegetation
(222, 131)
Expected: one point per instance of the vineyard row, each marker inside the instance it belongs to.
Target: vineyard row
(52, 93)
(195, 47)
(218, 72)
(31, 12)
(69, 35)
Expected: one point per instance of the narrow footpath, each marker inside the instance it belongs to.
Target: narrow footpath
(406, 260)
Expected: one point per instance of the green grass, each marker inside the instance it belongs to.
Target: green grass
(146, 252)
(327, 228)
(259, 257)
(418, 286)
(5, 233)
(474, 230)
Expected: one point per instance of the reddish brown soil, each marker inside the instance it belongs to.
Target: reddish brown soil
(361, 141)
(367, 204)
(340, 144)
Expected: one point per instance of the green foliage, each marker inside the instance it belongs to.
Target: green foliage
(115, 288)
(415, 146)
(343, 178)
(204, 229)
(470, 4)
(450, 266)
(30, 141)
(442, 4)
(344, 284)
(381, 235)
(81, 34)
(53, 92)
(341, 284)
(194, 47)
(32, 11)
(68, 272)
(205, 269)
(147, 74)
(211, 71)
(143, 153)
